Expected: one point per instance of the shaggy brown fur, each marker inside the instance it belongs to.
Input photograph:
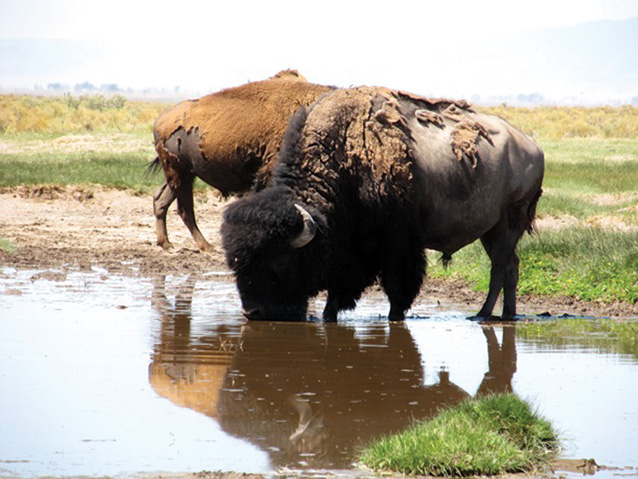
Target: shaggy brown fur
(237, 122)
(465, 137)
(427, 116)
(375, 135)
(375, 145)
(229, 139)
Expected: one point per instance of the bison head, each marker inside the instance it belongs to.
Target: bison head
(268, 238)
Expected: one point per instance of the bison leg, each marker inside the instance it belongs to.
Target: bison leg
(161, 202)
(338, 302)
(402, 275)
(500, 245)
(187, 213)
(509, 287)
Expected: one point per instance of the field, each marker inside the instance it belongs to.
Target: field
(584, 249)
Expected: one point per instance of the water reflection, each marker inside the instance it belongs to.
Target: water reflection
(79, 396)
(310, 394)
(188, 371)
(318, 393)
(501, 361)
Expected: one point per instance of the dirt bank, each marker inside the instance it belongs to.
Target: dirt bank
(79, 228)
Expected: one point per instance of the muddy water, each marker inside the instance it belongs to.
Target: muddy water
(109, 375)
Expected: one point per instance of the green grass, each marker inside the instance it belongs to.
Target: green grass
(585, 263)
(591, 165)
(115, 160)
(488, 436)
(112, 169)
(7, 246)
(579, 171)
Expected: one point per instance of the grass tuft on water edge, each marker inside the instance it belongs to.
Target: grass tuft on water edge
(493, 435)
(7, 246)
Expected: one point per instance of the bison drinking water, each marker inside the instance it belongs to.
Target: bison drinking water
(229, 139)
(366, 180)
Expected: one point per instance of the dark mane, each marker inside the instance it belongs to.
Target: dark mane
(290, 143)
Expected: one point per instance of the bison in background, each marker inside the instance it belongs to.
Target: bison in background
(229, 139)
(367, 179)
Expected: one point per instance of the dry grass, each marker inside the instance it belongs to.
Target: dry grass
(71, 115)
(557, 123)
(90, 113)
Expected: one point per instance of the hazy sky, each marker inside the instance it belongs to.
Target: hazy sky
(212, 44)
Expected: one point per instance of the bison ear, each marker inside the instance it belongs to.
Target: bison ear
(309, 229)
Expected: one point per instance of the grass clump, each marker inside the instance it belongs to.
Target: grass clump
(488, 436)
(584, 263)
(7, 246)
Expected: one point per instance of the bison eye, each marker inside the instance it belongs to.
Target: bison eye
(280, 264)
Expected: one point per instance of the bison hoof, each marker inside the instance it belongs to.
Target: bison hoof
(330, 317)
(478, 317)
(166, 245)
(253, 314)
(396, 316)
(208, 249)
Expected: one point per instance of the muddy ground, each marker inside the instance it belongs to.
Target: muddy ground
(57, 229)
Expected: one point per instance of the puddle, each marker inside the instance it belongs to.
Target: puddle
(109, 375)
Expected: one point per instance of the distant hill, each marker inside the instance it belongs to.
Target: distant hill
(595, 62)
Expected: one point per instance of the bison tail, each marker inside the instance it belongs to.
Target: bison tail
(154, 166)
(531, 211)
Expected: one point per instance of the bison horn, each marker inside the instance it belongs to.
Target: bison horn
(309, 229)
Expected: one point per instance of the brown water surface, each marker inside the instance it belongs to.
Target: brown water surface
(112, 375)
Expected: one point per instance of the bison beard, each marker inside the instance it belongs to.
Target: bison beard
(369, 178)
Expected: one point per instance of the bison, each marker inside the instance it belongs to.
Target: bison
(366, 180)
(229, 139)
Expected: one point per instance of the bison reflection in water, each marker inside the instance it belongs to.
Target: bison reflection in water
(340, 394)
(501, 361)
(309, 394)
